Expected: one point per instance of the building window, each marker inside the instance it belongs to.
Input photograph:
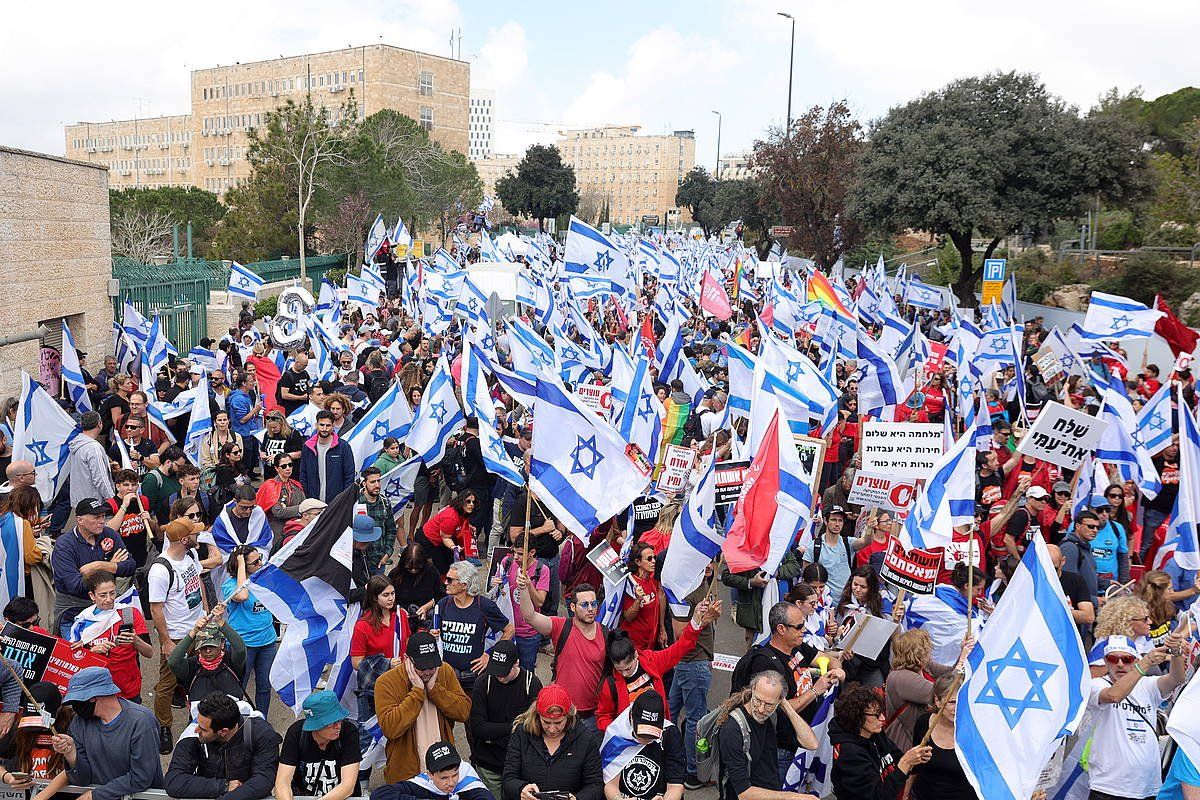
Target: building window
(425, 84)
(426, 118)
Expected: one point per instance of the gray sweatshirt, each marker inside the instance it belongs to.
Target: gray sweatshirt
(120, 758)
(90, 473)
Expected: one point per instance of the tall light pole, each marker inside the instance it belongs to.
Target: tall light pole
(791, 63)
(718, 172)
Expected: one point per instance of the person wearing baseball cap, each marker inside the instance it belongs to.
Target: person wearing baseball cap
(835, 551)
(504, 691)
(446, 775)
(92, 546)
(1124, 759)
(659, 765)
(421, 693)
(112, 742)
(551, 725)
(1026, 523)
(320, 755)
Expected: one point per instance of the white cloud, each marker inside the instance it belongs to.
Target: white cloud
(503, 58)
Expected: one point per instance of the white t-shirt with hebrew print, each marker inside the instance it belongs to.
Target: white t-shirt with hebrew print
(1124, 759)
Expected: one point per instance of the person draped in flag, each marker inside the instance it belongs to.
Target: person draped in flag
(115, 630)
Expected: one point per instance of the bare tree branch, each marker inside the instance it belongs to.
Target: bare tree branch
(141, 235)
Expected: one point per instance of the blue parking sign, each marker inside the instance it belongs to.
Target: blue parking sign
(993, 269)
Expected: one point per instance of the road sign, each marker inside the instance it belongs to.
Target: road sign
(782, 231)
(993, 269)
(993, 281)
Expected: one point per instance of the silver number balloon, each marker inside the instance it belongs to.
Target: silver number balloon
(288, 328)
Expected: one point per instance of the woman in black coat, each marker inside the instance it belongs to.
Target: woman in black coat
(866, 764)
(550, 751)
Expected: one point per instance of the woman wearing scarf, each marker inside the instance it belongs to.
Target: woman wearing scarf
(280, 497)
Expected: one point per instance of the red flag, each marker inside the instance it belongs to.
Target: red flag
(749, 540)
(714, 299)
(268, 378)
(648, 342)
(1180, 337)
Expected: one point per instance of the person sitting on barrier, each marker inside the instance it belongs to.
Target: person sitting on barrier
(113, 742)
(446, 775)
(320, 754)
(224, 753)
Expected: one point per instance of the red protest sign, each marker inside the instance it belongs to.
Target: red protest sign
(45, 658)
(915, 570)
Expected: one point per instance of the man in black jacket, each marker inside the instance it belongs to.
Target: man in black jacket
(497, 699)
(226, 755)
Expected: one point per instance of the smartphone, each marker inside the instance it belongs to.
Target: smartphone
(126, 620)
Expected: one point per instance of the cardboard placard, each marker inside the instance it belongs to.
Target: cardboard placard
(597, 398)
(1048, 364)
(881, 491)
(677, 466)
(724, 662)
(865, 635)
(915, 571)
(609, 562)
(901, 449)
(729, 477)
(498, 556)
(1062, 436)
(39, 657)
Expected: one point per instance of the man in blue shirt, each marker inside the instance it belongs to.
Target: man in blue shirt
(1111, 549)
(90, 548)
(245, 416)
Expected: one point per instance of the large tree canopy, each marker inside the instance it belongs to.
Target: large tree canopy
(696, 193)
(543, 186)
(991, 156)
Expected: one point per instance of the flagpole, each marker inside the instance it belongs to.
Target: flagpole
(24, 688)
(528, 503)
(970, 583)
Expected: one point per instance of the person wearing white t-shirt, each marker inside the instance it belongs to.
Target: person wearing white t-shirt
(1125, 761)
(177, 601)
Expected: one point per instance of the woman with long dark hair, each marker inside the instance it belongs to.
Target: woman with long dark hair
(377, 643)
(31, 752)
(861, 596)
(448, 530)
(417, 582)
(231, 471)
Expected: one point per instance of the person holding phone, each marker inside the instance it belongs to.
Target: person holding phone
(551, 756)
(114, 630)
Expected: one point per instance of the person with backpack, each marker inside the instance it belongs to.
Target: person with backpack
(211, 658)
(744, 731)
(501, 693)
(525, 576)
(834, 551)
(580, 648)
(227, 754)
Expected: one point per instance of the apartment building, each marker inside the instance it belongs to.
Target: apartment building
(151, 152)
(482, 124)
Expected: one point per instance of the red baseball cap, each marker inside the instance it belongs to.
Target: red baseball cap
(553, 702)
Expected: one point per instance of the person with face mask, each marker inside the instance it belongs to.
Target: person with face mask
(211, 658)
(225, 754)
(446, 776)
(113, 742)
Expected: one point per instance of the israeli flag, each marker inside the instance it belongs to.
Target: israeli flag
(42, 436)
(1119, 444)
(1027, 687)
(438, 416)
(157, 350)
(136, 326)
(1110, 316)
(244, 282)
(472, 303)
(304, 420)
(12, 557)
(811, 771)
(397, 484)
(400, 235)
(642, 413)
(1185, 517)
(72, 373)
(580, 468)
(205, 358)
(942, 615)
(923, 295)
(1154, 421)
(328, 306)
(199, 423)
(93, 622)
(532, 357)
(590, 251)
(375, 239)
(741, 379)
(478, 401)
(948, 499)
(125, 350)
(879, 386)
(695, 541)
(364, 292)
(388, 416)
(225, 536)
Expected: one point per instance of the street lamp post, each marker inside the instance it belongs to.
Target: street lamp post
(718, 172)
(791, 63)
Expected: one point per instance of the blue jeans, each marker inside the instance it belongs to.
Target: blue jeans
(527, 650)
(258, 661)
(366, 710)
(1151, 519)
(688, 701)
(785, 758)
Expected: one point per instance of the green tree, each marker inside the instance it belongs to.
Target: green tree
(992, 156)
(807, 174)
(743, 200)
(543, 186)
(179, 205)
(695, 193)
(261, 219)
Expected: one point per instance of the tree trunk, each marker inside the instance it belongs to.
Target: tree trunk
(541, 225)
(964, 287)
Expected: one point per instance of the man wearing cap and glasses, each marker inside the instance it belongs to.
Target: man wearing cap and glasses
(1110, 547)
(446, 775)
(502, 693)
(90, 548)
(1124, 758)
(320, 753)
(112, 742)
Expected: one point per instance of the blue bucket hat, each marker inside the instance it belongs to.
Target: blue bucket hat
(322, 708)
(365, 529)
(90, 683)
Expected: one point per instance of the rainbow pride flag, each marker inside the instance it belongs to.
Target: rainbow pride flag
(821, 290)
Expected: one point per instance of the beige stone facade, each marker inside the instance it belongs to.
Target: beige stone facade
(149, 153)
(735, 167)
(493, 168)
(226, 102)
(54, 258)
(635, 175)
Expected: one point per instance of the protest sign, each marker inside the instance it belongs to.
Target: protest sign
(677, 466)
(881, 491)
(914, 570)
(39, 657)
(609, 562)
(811, 451)
(729, 477)
(901, 449)
(498, 556)
(597, 398)
(724, 662)
(1047, 363)
(937, 355)
(1062, 436)
(865, 635)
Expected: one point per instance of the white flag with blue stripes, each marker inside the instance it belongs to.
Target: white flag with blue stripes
(478, 401)
(1119, 443)
(438, 416)
(880, 384)
(1185, 518)
(42, 436)
(695, 541)
(619, 746)
(244, 282)
(580, 468)
(1028, 684)
(388, 416)
(948, 499)
(304, 420)
(1154, 421)
(12, 557)
(375, 239)
(642, 413)
(362, 291)
(1110, 316)
(397, 484)
(199, 422)
(72, 373)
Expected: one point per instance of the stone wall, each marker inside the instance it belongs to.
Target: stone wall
(55, 257)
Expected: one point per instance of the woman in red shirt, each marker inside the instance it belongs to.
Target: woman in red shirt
(881, 531)
(377, 642)
(642, 615)
(448, 529)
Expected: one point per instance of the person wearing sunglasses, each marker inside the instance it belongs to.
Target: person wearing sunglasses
(251, 621)
(642, 614)
(1124, 760)
(280, 496)
(1110, 547)
(866, 763)
(231, 471)
(1077, 552)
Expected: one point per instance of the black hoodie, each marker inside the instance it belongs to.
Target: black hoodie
(865, 769)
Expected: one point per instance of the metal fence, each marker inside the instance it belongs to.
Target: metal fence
(178, 290)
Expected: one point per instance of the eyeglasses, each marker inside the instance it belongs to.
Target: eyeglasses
(1140, 619)
(766, 705)
(193, 515)
(1114, 659)
(879, 712)
(649, 557)
(254, 563)
(29, 623)
(587, 604)
(793, 627)
(448, 580)
(235, 451)
(1091, 526)
(24, 474)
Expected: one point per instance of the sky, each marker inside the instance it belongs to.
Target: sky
(662, 65)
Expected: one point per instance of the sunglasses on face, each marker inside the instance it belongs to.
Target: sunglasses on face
(193, 515)
(1114, 496)
(1115, 659)
(587, 604)
(284, 465)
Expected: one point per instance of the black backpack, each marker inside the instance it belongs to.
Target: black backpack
(693, 428)
(741, 670)
(454, 467)
(378, 382)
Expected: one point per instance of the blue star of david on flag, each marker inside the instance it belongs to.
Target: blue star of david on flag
(1156, 421)
(793, 371)
(999, 345)
(645, 410)
(569, 354)
(38, 448)
(585, 466)
(603, 261)
(439, 411)
(1120, 323)
(380, 431)
(488, 342)
(1037, 673)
